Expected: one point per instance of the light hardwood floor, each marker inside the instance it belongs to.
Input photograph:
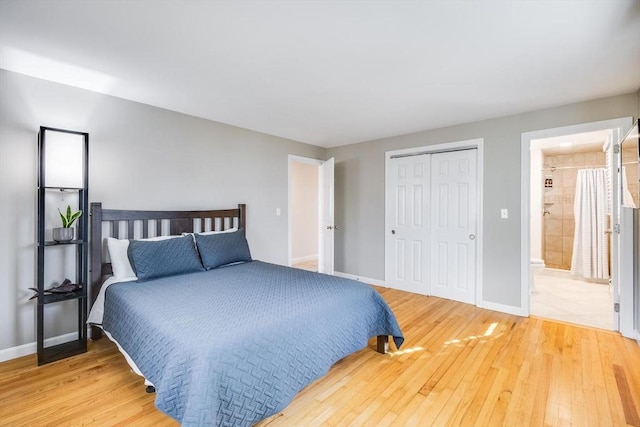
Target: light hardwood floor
(459, 366)
(307, 265)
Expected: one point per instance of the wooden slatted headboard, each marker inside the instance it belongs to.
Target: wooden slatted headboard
(131, 224)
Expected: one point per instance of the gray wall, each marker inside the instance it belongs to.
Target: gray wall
(360, 190)
(141, 157)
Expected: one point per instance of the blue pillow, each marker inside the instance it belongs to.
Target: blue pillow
(221, 249)
(152, 259)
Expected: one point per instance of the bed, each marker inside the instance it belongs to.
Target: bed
(223, 339)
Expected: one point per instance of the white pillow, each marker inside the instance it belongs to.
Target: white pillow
(119, 260)
(120, 264)
(206, 233)
(228, 230)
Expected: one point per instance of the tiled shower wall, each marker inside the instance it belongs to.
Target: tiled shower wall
(558, 224)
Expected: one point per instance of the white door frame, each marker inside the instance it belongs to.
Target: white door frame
(621, 125)
(478, 144)
(295, 159)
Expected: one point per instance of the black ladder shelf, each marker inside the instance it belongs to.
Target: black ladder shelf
(47, 209)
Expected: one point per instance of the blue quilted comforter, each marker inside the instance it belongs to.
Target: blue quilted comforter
(234, 345)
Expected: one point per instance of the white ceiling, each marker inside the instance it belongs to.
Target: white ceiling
(331, 73)
(579, 142)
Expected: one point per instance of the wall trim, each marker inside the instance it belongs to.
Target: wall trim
(486, 305)
(509, 309)
(32, 347)
(361, 279)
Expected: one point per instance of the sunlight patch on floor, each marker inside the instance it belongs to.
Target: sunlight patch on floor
(406, 351)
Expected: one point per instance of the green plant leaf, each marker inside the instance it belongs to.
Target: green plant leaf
(70, 217)
(64, 219)
(74, 217)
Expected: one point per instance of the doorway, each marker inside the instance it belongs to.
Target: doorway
(538, 203)
(570, 229)
(432, 217)
(311, 214)
(304, 215)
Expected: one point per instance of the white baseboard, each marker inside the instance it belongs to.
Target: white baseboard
(509, 309)
(304, 259)
(483, 304)
(361, 279)
(31, 348)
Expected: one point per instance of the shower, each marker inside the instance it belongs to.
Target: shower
(560, 168)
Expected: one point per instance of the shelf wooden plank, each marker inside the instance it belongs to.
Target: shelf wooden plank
(62, 351)
(70, 242)
(51, 298)
(64, 188)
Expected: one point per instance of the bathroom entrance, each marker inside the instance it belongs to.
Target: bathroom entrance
(571, 221)
(572, 232)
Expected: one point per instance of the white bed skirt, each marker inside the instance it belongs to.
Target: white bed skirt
(130, 361)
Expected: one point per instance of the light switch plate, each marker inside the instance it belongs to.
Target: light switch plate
(504, 213)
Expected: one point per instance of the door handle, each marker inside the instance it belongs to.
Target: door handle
(393, 231)
(329, 227)
(472, 237)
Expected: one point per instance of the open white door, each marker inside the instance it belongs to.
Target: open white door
(613, 165)
(625, 236)
(327, 225)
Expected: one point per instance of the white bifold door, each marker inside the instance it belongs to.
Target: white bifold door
(408, 223)
(431, 217)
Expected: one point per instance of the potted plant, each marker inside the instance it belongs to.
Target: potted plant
(65, 233)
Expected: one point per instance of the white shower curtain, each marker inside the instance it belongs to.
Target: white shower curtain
(590, 242)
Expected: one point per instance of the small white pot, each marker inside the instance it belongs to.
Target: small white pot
(62, 234)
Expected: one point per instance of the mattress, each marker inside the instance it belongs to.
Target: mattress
(234, 345)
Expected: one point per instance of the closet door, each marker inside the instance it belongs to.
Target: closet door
(407, 223)
(453, 225)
